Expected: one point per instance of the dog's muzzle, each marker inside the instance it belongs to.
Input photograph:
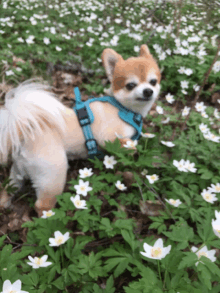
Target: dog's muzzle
(147, 95)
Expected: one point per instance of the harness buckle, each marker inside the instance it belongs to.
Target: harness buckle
(137, 119)
(91, 144)
(83, 116)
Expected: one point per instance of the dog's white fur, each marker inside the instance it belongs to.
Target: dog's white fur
(40, 132)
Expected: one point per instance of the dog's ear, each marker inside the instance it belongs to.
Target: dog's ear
(144, 51)
(109, 59)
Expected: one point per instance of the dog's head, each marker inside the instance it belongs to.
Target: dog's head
(135, 82)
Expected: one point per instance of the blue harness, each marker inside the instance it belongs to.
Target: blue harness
(86, 118)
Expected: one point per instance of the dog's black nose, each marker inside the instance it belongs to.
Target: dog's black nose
(147, 93)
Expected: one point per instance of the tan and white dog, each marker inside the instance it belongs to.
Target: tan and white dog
(39, 132)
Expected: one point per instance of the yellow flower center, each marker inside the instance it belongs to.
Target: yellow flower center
(13, 291)
(153, 177)
(82, 188)
(156, 251)
(172, 201)
(86, 173)
(38, 261)
(78, 202)
(49, 214)
(208, 196)
(217, 188)
(59, 240)
(202, 254)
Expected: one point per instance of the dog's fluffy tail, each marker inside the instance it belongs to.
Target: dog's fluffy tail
(29, 110)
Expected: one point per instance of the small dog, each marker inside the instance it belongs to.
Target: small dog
(40, 132)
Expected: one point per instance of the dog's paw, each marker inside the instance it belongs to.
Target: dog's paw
(128, 143)
(5, 199)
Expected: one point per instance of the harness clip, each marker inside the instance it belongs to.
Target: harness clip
(83, 116)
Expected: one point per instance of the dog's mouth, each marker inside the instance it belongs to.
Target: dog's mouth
(144, 99)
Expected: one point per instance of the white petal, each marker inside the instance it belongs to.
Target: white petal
(159, 243)
(31, 258)
(66, 236)
(17, 285)
(194, 249)
(46, 264)
(6, 285)
(57, 234)
(44, 257)
(52, 242)
(147, 247)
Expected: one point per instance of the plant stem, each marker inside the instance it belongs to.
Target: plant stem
(164, 282)
(158, 264)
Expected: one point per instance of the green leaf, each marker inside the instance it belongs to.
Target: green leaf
(189, 260)
(2, 240)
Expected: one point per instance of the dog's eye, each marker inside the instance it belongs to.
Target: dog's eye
(153, 82)
(130, 86)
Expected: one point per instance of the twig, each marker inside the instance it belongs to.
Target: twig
(160, 200)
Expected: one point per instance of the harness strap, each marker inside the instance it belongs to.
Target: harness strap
(86, 118)
(85, 122)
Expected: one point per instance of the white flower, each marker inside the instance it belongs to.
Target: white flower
(169, 98)
(216, 224)
(196, 87)
(190, 166)
(216, 67)
(8, 287)
(152, 178)
(58, 49)
(208, 196)
(120, 185)
(216, 114)
(200, 107)
(168, 143)
(147, 135)
(46, 41)
(162, 56)
(214, 137)
(159, 109)
(184, 84)
(204, 128)
(83, 187)
(215, 188)
(181, 70)
(136, 49)
(30, 40)
(173, 202)
(130, 144)
(85, 172)
(37, 262)
(59, 238)
(188, 71)
(185, 111)
(109, 162)
(166, 121)
(21, 40)
(204, 115)
(144, 172)
(204, 252)
(47, 214)
(180, 165)
(157, 251)
(79, 204)
(9, 72)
